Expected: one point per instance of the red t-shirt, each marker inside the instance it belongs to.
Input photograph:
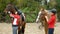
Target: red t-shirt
(16, 19)
(51, 22)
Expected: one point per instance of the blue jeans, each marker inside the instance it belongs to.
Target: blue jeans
(15, 28)
(50, 30)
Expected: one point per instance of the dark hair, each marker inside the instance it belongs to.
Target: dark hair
(53, 12)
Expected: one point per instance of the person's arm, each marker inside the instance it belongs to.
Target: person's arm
(11, 15)
(51, 20)
(46, 18)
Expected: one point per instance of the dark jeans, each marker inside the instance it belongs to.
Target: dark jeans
(50, 30)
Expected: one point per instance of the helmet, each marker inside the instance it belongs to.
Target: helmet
(54, 11)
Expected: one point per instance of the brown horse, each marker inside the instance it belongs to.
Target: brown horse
(11, 8)
(43, 19)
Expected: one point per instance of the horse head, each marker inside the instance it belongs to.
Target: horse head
(10, 8)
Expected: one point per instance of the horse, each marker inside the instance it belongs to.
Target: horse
(43, 18)
(12, 9)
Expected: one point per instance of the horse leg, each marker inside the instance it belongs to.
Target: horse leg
(19, 31)
(46, 27)
(42, 22)
(23, 28)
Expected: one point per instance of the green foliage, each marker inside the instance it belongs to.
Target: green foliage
(30, 7)
(52, 4)
(58, 9)
(3, 4)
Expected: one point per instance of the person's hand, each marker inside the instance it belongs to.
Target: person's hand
(11, 15)
(46, 18)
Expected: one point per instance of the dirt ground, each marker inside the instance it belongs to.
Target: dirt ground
(31, 28)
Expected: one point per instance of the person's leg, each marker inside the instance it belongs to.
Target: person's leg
(51, 31)
(15, 30)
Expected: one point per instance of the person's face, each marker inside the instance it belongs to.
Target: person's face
(52, 13)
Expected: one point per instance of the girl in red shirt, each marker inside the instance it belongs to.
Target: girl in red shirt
(51, 22)
(15, 22)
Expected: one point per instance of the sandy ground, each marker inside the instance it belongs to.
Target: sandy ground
(31, 28)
